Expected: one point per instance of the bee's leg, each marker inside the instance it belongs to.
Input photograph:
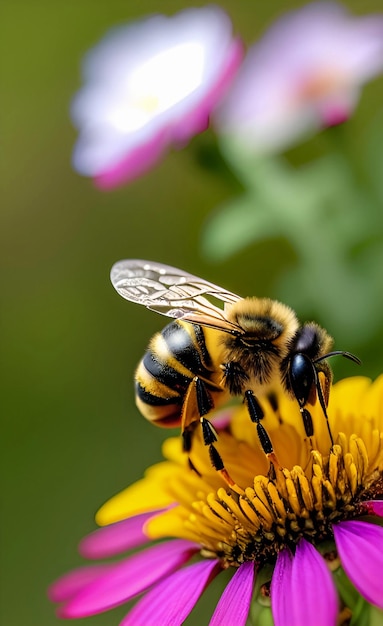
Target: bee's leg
(256, 415)
(198, 401)
(306, 384)
(234, 377)
(187, 439)
(307, 421)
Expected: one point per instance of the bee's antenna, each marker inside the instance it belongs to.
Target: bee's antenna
(347, 355)
(318, 386)
(199, 396)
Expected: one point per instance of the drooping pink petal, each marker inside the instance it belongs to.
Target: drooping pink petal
(116, 538)
(234, 604)
(128, 578)
(281, 588)
(312, 580)
(302, 589)
(373, 507)
(360, 548)
(170, 602)
(70, 584)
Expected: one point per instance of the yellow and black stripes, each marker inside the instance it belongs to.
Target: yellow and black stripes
(174, 357)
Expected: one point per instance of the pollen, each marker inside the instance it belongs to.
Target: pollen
(278, 510)
(316, 484)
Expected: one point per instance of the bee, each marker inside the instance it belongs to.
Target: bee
(210, 353)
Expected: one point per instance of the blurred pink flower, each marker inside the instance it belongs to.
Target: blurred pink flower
(304, 74)
(150, 85)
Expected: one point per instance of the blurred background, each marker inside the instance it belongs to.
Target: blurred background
(72, 436)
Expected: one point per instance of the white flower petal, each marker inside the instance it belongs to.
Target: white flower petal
(162, 73)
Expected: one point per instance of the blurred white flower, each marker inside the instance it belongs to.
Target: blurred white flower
(304, 74)
(149, 85)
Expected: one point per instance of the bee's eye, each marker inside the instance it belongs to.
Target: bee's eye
(302, 377)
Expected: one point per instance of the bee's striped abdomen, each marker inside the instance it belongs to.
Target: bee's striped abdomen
(174, 357)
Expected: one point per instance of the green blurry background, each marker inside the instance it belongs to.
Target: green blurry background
(71, 434)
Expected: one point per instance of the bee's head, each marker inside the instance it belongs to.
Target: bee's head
(305, 359)
(311, 340)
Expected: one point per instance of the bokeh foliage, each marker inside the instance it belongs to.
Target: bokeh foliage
(71, 434)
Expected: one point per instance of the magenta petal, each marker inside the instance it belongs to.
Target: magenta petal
(234, 604)
(68, 585)
(135, 163)
(179, 131)
(281, 588)
(302, 589)
(116, 538)
(170, 602)
(373, 507)
(197, 120)
(128, 578)
(360, 549)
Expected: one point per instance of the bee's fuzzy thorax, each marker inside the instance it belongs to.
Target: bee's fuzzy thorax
(265, 319)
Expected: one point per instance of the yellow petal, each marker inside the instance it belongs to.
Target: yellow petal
(169, 524)
(172, 450)
(346, 395)
(143, 496)
(374, 402)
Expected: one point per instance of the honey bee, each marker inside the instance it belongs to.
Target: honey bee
(208, 354)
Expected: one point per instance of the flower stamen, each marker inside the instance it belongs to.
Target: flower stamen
(294, 527)
(256, 523)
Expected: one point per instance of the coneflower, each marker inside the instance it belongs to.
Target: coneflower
(303, 540)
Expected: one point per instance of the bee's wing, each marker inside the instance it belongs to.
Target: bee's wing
(172, 292)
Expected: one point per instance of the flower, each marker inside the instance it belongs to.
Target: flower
(304, 74)
(150, 85)
(288, 529)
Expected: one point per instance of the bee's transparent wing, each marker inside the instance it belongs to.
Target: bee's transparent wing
(172, 292)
